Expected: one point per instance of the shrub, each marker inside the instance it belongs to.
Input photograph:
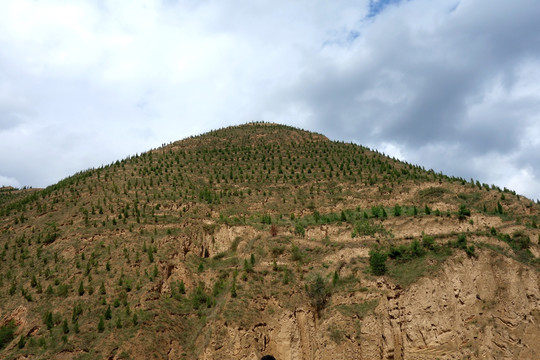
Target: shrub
(377, 262)
(7, 333)
(296, 255)
(463, 212)
(428, 242)
(416, 249)
(49, 320)
(101, 325)
(470, 251)
(299, 230)
(199, 297)
(319, 291)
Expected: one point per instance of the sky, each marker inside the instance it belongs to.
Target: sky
(449, 85)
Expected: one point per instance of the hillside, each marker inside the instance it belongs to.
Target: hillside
(266, 239)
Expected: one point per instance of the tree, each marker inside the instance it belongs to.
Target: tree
(377, 262)
(49, 320)
(319, 292)
(101, 325)
(463, 212)
(108, 313)
(81, 289)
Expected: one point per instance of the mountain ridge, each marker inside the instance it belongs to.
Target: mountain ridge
(277, 237)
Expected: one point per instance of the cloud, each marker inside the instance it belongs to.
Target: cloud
(451, 85)
(9, 181)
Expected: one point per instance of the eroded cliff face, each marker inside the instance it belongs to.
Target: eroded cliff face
(479, 308)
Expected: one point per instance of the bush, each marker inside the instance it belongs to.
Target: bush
(377, 262)
(319, 291)
(299, 229)
(7, 333)
(199, 297)
(463, 212)
(428, 242)
(470, 251)
(101, 325)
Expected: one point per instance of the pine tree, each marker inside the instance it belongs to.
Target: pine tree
(81, 289)
(108, 313)
(101, 325)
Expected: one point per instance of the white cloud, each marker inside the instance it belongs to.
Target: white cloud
(9, 181)
(447, 84)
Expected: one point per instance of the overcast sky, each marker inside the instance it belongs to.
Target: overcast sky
(449, 85)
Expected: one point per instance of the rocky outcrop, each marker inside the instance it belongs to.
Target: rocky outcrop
(478, 308)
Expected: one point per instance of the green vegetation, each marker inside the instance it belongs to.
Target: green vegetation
(7, 333)
(318, 291)
(199, 230)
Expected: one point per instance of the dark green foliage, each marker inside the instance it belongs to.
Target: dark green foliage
(377, 262)
(299, 230)
(65, 327)
(416, 249)
(101, 325)
(335, 279)
(397, 210)
(463, 212)
(108, 313)
(22, 342)
(52, 233)
(77, 310)
(318, 291)
(200, 298)
(181, 287)
(470, 251)
(7, 333)
(428, 242)
(296, 254)
(461, 242)
(499, 207)
(49, 320)
(248, 267)
(366, 227)
(81, 289)
(233, 288)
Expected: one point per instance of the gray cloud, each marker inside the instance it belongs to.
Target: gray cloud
(451, 85)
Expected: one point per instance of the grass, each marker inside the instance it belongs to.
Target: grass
(359, 310)
(150, 216)
(405, 273)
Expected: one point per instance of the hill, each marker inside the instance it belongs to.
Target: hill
(266, 239)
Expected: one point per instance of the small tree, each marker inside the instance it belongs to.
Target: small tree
(101, 325)
(108, 313)
(319, 292)
(377, 262)
(49, 320)
(81, 289)
(463, 212)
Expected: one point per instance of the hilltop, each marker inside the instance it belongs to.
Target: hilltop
(267, 239)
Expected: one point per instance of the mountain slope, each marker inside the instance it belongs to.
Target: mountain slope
(256, 239)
